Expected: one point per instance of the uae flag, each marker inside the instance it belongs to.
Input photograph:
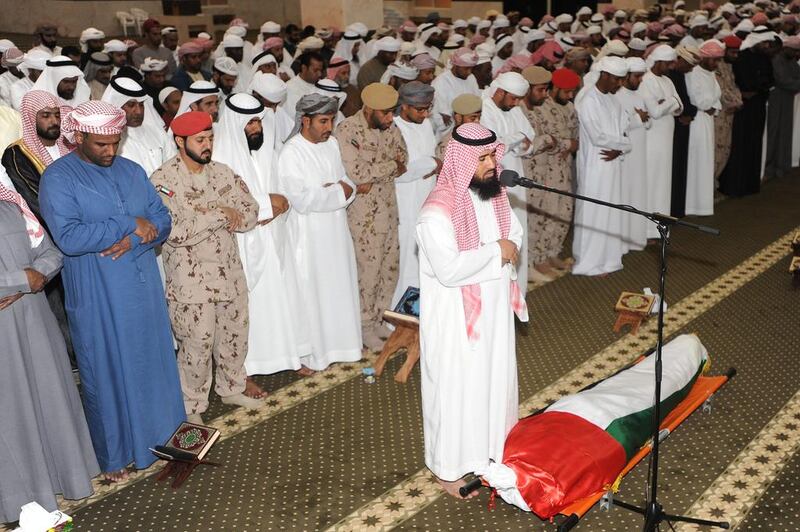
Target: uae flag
(581, 443)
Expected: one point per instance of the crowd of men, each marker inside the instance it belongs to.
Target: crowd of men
(256, 204)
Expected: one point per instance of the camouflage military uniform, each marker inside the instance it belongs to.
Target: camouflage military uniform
(730, 99)
(206, 287)
(442, 147)
(550, 214)
(369, 156)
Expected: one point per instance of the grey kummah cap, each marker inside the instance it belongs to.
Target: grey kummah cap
(415, 93)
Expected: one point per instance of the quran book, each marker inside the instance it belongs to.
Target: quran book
(190, 442)
(635, 303)
(407, 310)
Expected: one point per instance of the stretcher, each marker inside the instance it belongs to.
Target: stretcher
(604, 478)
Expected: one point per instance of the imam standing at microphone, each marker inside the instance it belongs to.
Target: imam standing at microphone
(468, 239)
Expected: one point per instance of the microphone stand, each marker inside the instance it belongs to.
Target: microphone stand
(653, 512)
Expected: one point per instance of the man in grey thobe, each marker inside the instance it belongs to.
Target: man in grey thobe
(45, 448)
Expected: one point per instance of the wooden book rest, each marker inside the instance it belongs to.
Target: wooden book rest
(405, 336)
(632, 309)
(180, 470)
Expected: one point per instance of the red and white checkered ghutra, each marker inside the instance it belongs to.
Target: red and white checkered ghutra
(451, 196)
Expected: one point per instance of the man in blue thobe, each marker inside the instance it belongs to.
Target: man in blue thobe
(106, 218)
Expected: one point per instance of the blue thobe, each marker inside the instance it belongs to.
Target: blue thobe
(116, 308)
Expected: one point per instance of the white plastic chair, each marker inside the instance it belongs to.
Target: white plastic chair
(140, 16)
(126, 20)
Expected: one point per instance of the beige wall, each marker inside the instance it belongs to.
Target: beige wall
(463, 10)
(256, 12)
(71, 17)
(340, 13)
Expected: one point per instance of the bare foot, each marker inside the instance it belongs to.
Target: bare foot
(544, 268)
(558, 262)
(253, 390)
(305, 372)
(452, 488)
(116, 476)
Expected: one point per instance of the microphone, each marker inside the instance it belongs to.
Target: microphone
(509, 178)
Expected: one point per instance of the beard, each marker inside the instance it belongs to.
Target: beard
(66, 94)
(486, 188)
(199, 158)
(255, 141)
(51, 133)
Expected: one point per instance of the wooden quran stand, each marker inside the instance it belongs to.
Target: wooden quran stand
(181, 470)
(405, 336)
(632, 309)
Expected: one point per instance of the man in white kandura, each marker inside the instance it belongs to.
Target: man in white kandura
(469, 239)
(313, 179)
(502, 114)
(597, 245)
(634, 166)
(144, 141)
(663, 104)
(412, 188)
(245, 141)
(704, 93)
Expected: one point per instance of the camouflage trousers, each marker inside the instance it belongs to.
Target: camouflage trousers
(549, 216)
(373, 223)
(723, 128)
(206, 331)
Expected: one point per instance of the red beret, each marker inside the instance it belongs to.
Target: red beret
(149, 24)
(732, 41)
(566, 79)
(190, 123)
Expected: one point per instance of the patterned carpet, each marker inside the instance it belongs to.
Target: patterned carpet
(334, 451)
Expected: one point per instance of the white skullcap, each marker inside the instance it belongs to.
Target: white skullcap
(535, 35)
(679, 4)
(239, 31)
(616, 66)
(115, 45)
(512, 82)
(484, 24)
(35, 59)
(204, 36)
(232, 41)
(226, 65)
(91, 34)
(270, 27)
(637, 44)
(390, 44)
(268, 86)
(593, 30)
(597, 18)
(637, 27)
(399, 70)
(409, 48)
(745, 26)
(164, 94)
(697, 21)
(727, 8)
(501, 22)
(459, 23)
(360, 28)
(152, 64)
(5, 45)
(564, 18)
(483, 57)
(615, 47)
(584, 11)
(620, 13)
(168, 29)
(311, 43)
(473, 21)
(663, 52)
(636, 64)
